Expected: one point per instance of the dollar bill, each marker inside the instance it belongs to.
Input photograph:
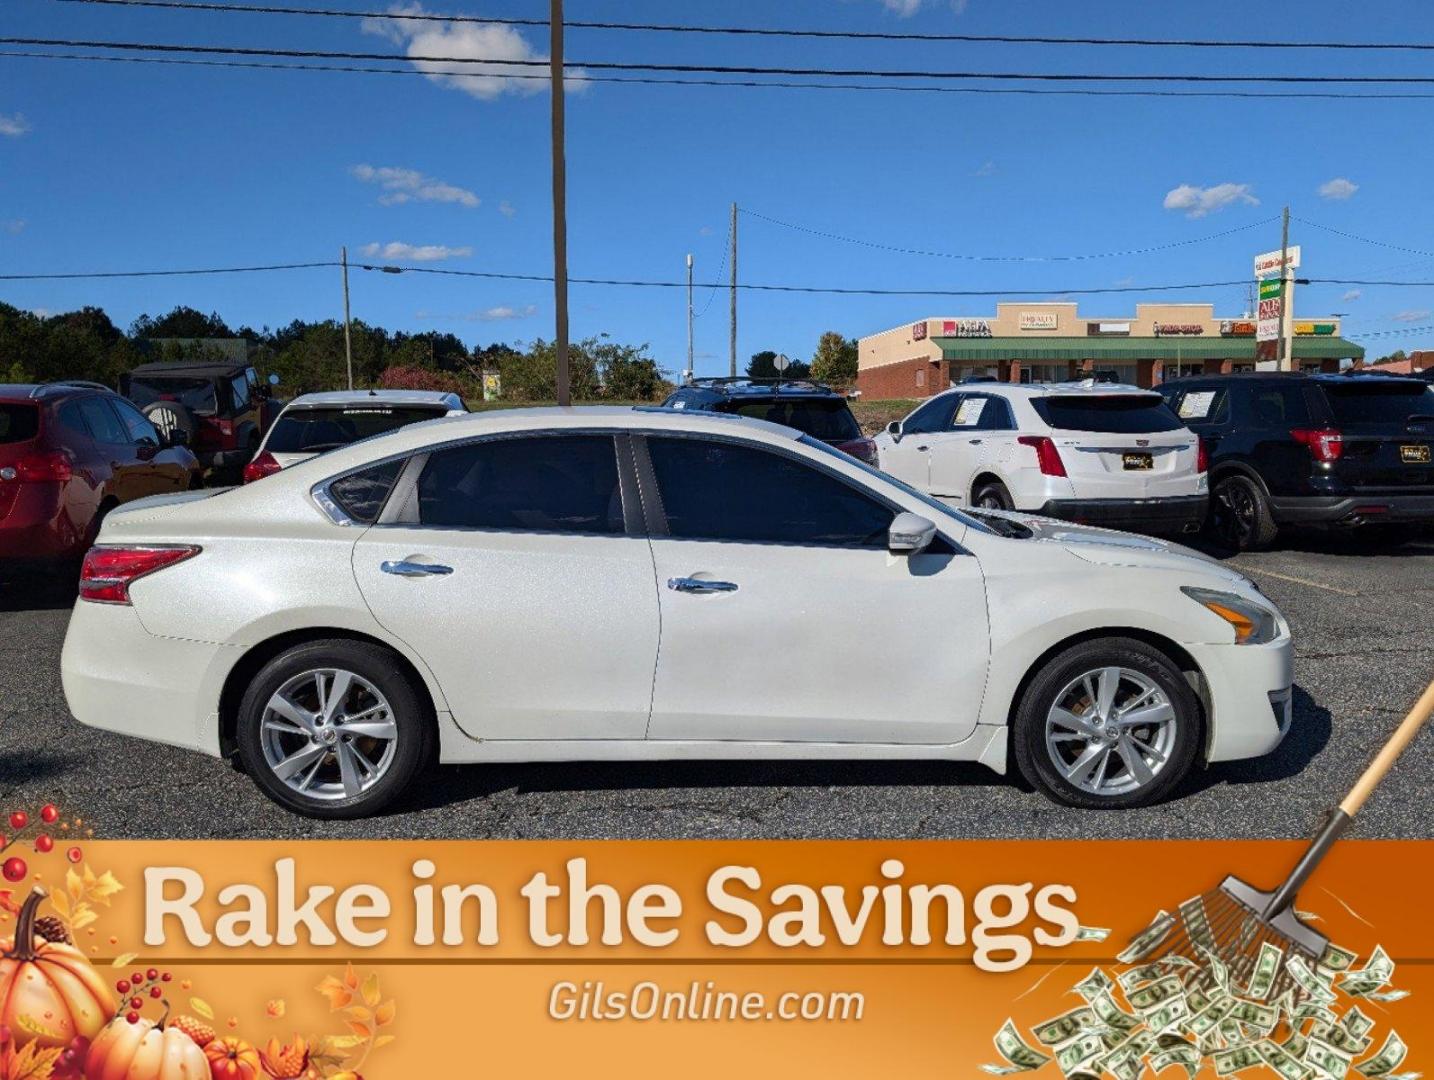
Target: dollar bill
(1065, 1027)
(1197, 922)
(1308, 981)
(1186, 1056)
(1197, 998)
(1208, 1019)
(1071, 1057)
(1014, 1049)
(1336, 959)
(1267, 966)
(1340, 1037)
(1168, 1015)
(1375, 974)
(1094, 985)
(1387, 995)
(1144, 973)
(1296, 1044)
(1112, 1015)
(1217, 969)
(1257, 1015)
(1282, 1061)
(1391, 1055)
(1153, 995)
(1355, 1022)
(1092, 933)
(1149, 939)
(1327, 1059)
(1236, 1059)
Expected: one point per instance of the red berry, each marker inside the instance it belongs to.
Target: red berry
(132, 1017)
(14, 869)
(165, 977)
(137, 978)
(152, 974)
(74, 854)
(122, 986)
(43, 844)
(19, 819)
(136, 1003)
(49, 813)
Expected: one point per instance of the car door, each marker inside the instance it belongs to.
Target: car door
(784, 617)
(907, 455)
(957, 453)
(166, 470)
(509, 565)
(128, 474)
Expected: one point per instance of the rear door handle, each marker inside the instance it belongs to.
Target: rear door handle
(697, 585)
(408, 568)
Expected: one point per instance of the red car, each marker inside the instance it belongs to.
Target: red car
(69, 452)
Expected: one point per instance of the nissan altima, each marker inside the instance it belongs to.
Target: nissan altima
(643, 584)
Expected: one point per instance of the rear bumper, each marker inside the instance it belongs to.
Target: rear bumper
(37, 527)
(1351, 509)
(1249, 697)
(1182, 513)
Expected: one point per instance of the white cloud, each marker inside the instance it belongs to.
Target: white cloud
(988, 168)
(13, 226)
(507, 209)
(1198, 201)
(13, 125)
(414, 252)
(904, 9)
(510, 74)
(706, 230)
(1353, 294)
(1413, 315)
(407, 185)
(499, 313)
(1338, 188)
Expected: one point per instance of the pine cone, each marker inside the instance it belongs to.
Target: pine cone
(52, 929)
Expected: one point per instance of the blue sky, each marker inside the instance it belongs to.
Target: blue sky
(123, 166)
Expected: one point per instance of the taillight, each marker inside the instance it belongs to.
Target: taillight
(1325, 444)
(47, 467)
(1047, 456)
(110, 571)
(861, 449)
(1202, 456)
(262, 466)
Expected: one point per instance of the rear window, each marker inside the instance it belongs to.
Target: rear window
(822, 418)
(312, 431)
(1127, 414)
(362, 494)
(1378, 403)
(18, 423)
(197, 395)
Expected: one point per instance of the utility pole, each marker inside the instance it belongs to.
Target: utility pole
(560, 200)
(732, 344)
(1284, 358)
(689, 317)
(348, 339)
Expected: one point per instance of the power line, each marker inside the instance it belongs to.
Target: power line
(721, 266)
(727, 69)
(166, 273)
(1005, 258)
(1363, 239)
(739, 83)
(751, 31)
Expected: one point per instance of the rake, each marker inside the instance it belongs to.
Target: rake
(1234, 921)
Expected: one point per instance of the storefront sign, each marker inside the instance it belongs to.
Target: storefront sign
(1269, 262)
(1237, 327)
(1186, 329)
(1107, 329)
(1038, 320)
(978, 328)
(1270, 290)
(1314, 328)
(918, 331)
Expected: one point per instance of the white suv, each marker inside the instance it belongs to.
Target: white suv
(1090, 452)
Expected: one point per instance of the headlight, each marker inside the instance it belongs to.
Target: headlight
(1253, 623)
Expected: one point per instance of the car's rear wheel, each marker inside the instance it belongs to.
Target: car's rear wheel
(1107, 723)
(1240, 515)
(334, 729)
(992, 495)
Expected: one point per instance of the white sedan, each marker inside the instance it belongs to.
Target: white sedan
(641, 584)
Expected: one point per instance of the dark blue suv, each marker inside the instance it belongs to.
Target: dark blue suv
(810, 407)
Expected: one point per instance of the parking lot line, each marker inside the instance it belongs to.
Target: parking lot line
(1300, 581)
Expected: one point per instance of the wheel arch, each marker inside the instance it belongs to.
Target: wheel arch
(985, 476)
(1227, 469)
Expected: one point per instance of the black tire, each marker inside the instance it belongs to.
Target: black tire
(992, 495)
(1035, 758)
(411, 712)
(169, 417)
(1240, 516)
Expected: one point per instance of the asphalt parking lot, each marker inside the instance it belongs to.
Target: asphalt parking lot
(1363, 615)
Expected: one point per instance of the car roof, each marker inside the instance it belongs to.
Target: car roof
(194, 368)
(376, 397)
(49, 391)
(1031, 390)
(1264, 378)
(747, 387)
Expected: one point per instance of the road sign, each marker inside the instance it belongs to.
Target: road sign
(781, 363)
(1269, 262)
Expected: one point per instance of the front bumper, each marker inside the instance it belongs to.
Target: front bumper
(1248, 697)
(1352, 509)
(1180, 513)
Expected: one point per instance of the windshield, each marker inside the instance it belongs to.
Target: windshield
(18, 423)
(1123, 414)
(197, 395)
(1378, 402)
(925, 499)
(822, 418)
(312, 431)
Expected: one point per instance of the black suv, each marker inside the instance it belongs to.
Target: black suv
(810, 407)
(1310, 449)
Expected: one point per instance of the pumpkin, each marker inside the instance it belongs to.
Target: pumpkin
(49, 993)
(145, 1050)
(232, 1059)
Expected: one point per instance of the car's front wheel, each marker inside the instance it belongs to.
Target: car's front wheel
(1109, 722)
(334, 729)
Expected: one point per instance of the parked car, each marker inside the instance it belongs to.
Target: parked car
(1087, 452)
(481, 589)
(1310, 449)
(69, 453)
(222, 408)
(313, 424)
(810, 407)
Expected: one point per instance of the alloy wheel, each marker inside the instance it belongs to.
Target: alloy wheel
(1234, 512)
(1111, 731)
(328, 734)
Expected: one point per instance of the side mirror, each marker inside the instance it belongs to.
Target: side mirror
(894, 430)
(910, 534)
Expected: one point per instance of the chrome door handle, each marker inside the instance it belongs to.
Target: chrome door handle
(697, 585)
(405, 568)
(923, 449)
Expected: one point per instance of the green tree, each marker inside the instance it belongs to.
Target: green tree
(835, 359)
(182, 322)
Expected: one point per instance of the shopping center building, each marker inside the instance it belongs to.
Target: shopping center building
(1053, 342)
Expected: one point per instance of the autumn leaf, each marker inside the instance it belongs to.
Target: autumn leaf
(103, 888)
(359, 1013)
(337, 993)
(383, 1040)
(202, 1007)
(74, 885)
(276, 1008)
(61, 903)
(33, 1063)
(123, 960)
(384, 1014)
(351, 979)
(341, 1042)
(363, 1031)
(371, 993)
(84, 915)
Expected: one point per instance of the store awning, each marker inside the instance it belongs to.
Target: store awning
(1129, 350)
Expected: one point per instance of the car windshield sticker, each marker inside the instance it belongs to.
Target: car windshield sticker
(1196, 405)
(969, 412)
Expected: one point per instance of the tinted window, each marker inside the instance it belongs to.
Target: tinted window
(104, 425)
(1279, 407)
(239, 390)
(553, 483)
(822, 418)
(362, 494)
(935, 415)
(72, 420)
(135, 423)
(1378, 402)
(18, 423)
(195, 394)
(723, 491)
(1125, 414)
(1202, 406)
(977, 412)
(312, 431)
